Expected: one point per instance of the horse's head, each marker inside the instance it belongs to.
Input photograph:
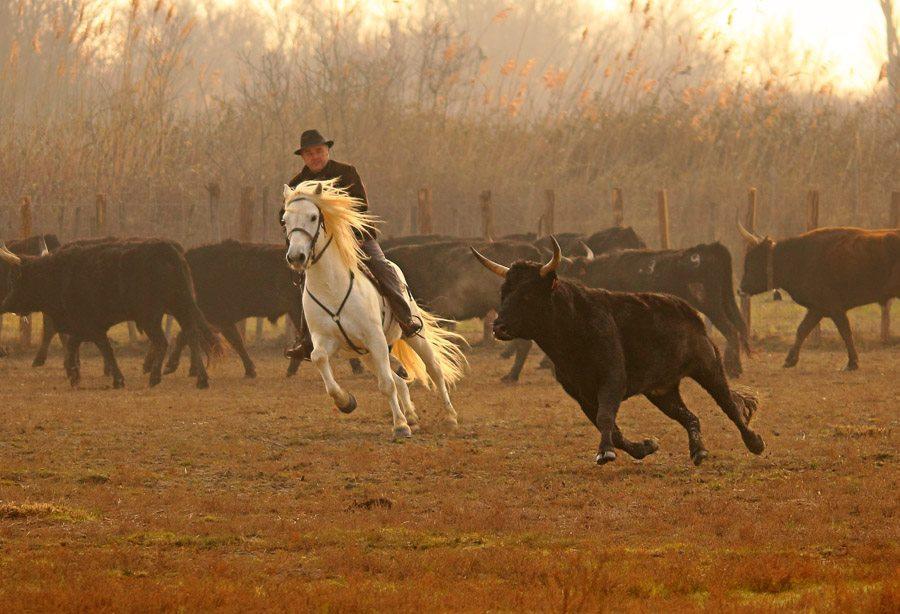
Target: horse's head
(302, 221)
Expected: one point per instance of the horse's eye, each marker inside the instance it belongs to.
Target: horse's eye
(312, 218)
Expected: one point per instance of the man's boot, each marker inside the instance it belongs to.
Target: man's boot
(303, 345)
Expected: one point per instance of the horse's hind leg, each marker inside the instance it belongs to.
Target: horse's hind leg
(380, 362)
(406, 404)
(426, 353)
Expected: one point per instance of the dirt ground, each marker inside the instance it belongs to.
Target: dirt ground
(256, 494)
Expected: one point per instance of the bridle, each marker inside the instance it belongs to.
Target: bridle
(313, 257)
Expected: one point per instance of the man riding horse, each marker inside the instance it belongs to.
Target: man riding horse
(318, 166)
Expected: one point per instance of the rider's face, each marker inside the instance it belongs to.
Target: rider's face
(315, 157)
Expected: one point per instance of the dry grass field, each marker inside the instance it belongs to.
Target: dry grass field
(257, 495)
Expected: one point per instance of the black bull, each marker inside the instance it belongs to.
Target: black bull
(829, 271)
(88, 287)
(235, 281)
(609, 346)
(700, 275)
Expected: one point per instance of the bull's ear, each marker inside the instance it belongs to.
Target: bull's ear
(287, 191)
(318, 191)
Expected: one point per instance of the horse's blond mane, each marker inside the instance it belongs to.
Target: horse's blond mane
(340, 216)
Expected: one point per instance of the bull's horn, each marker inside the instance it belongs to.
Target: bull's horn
(588, 252)
(554, 261)
(43, 246)
(749, 237)
(495, 268)
(7, 256)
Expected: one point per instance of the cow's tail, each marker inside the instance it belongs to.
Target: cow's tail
(206, 337)
(445, 344)
(731, 309)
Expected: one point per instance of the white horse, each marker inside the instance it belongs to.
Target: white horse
(345, 312)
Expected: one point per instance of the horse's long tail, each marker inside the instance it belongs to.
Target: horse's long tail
(445, 345)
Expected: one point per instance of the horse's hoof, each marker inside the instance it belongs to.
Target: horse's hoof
(350, 406)
(402, 431)
(699, 456)
(451, 423)
(606, 457)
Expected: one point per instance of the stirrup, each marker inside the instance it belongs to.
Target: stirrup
(412, 328)
(299, 352)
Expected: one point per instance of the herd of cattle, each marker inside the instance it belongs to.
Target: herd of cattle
(85, 287)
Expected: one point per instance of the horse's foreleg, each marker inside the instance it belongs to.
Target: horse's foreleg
(324, 348)
(426, 353)
(379, 361)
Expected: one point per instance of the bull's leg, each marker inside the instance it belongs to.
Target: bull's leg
(732, 342)
(47, 333)
(71, 361)
(886, 321)
(738, 404)
(672, 405)
(421, 347)
(806, 325)
(175, 353)
(149, 357)
(320, 357)
(607, 408)
(158, 347)
(232, 336)
(843, 326)
(636, 449)
(109, 359)
(522, 347)
(196, 356)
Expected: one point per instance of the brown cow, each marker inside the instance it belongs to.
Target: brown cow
(828, 271)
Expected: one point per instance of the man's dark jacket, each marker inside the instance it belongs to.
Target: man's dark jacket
(347, 178)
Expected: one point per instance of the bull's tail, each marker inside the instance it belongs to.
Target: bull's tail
(194, 318)
(445, 345)
(746, 399)
(731, 309)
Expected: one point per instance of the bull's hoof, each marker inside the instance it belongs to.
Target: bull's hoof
(250, 374)
(510, 378)
(698, 456)
(192, 372)
(39, 361)
(650, 446)
(402, 432)
(605, 457)
(74, 378)
(202, 383)
(790, 361)
(155, 380)
(349, 406)
(171, 368)
(118, 382)
(851, 366)
(734, 371)
(754, 442)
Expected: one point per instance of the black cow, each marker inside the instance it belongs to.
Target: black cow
(701, 275)
(608, 346)
(829, 271)
(574, 244)
(235, 281)
(35, 245)
(444, 278)
(87, 288)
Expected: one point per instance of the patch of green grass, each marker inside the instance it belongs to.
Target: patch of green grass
(175, 540)
(49, 511)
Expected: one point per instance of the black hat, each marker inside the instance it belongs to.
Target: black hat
(311, 138)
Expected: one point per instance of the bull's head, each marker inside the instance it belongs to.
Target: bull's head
(13, 301)
(758, 271)
(524, 296)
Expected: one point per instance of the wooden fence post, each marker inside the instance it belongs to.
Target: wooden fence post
(215, 194)
(413, 219)
(618, 208)
(426, 212)
(894, 222)
(749, 224)
(550, 212)
(25, 231)
(487, 216)
(100, 216)
(76, 224)
(812, 222)
(265, 222)
(245, 235)
(662, 200)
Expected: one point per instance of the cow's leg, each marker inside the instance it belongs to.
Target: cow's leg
(843, 326)
(806, 325)
(732, 341)
(71, 362)
(102, 342)
(232, 336)
(522, 348)
(738, 404)
(158, 347)
(672, 405)
(421, 347)
(175, 353)
(47, 332)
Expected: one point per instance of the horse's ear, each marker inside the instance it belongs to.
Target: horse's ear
(318, 189)
(287, 191)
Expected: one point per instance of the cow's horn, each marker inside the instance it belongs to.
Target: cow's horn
(749, 237)
(588, 252)
(42, 244)
(554, 261)
(490, 265)
(8, 256)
